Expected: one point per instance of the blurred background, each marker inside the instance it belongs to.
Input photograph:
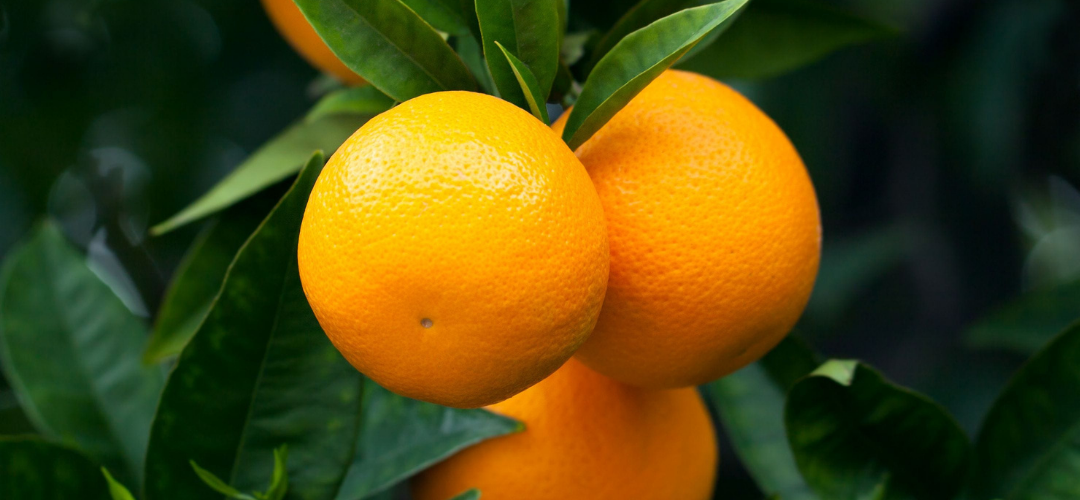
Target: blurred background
(946, 161)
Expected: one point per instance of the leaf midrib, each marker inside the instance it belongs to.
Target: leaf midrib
(1036, 470)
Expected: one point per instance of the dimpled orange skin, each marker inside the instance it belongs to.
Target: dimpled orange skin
(587, 437)
(465, 211)
(292, 25)
(714, 231)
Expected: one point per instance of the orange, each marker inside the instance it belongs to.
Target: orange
(587, 437)
(296, 30)
(714, 231)
(454, 250)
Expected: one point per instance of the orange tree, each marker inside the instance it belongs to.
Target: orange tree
(238, 393)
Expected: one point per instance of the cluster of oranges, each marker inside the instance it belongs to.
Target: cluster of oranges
(456, 251)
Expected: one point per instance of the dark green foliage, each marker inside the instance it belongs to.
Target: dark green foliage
(71, 350)
(258, 373)
(31, 469)
(855, 436)
(1028, 446)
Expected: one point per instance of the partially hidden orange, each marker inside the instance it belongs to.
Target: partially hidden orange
(296, 30)
(714, 231)
(454, 250)
(587, 437)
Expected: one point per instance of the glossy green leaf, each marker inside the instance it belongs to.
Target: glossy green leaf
(775, 36)
(639, 16)
(750, 403)
(528, 29)
(402, 436)
(71, 351)
(851, 431)
(32, 469)
(389, 45)
(1029, 444)
(529, 86)
(198, 277)
(443, 15)
(116, 489)
(1027, 323)
(362, 100)
(258, 373)
(473, 494)
(635, 61)
(275, 161)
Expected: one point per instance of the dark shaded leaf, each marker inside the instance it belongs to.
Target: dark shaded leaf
(275, 161)
(12, 419)
(32, 469)
(529, 86)
(71, 351)
(635, 61)
(852, 432)
(257, 374)
(775, 36)
(473, 54)
(1029, 322)
(750, 403)
(389, 45)
(529, 30)
(198, 277)
(1029, 444)
(402, 436)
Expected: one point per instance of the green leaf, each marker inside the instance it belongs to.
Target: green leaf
(776, 36)
(199, 275)
(635, 61)
(473, 54)
(208, 478)
(116, 490)
(71, 351)
(639, 16)
(275, 161)
(528, 29)
(279, 482)
(32, 469)
(851, 430)
(529, 86)
(12, 419)
(258, 373)
(750, 403)
(362, 100)
(443, 15)
(1029, 444)
(402, 436)
(1028, 322)
(473, 494)
(389, 45)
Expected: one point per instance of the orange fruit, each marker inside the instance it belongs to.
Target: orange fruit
(587, 437)
(714, 231)
(296, 30)
(454, 250)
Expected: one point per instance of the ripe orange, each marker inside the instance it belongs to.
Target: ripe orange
(588, 437)
(296, 30)
(714, 232)
(454, 250)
